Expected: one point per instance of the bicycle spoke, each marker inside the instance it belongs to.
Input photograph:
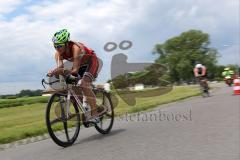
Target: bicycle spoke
(108, 115)
(55, 121)
(64, 121)
(66, 130)
(71, 116)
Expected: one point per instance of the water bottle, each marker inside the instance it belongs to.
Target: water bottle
(62, 82)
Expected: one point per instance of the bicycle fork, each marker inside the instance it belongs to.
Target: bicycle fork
(68, 104)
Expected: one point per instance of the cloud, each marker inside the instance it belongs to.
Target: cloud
(7, 6)
(26, 49)
(230, 54)
(16, 87)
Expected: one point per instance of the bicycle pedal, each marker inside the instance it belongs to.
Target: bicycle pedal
(88, 124)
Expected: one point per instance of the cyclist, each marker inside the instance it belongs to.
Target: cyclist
(228, 75)
(200, 73)
(227, 72)
(85, 67)
(200, 70)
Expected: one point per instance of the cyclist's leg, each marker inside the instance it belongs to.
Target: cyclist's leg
(205, 83)
(89, 96)
(201, 82)
(88, 77)
(198, 79)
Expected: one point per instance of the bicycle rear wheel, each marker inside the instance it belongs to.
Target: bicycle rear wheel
(62, 127)
(107, 119)
(204, 89)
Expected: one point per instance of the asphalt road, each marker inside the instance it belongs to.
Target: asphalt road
(193, 129)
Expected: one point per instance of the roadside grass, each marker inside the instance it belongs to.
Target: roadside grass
(21, 122)
(178, 93)
(29, 120)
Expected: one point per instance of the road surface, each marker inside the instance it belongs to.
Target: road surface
(194, 129)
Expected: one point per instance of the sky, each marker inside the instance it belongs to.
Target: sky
(27, 26)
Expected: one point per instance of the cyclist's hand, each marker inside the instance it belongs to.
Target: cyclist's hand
(71, 79)
(51, 72)
(57, 71)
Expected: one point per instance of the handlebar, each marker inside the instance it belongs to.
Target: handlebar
(69, 80)
(48, 83)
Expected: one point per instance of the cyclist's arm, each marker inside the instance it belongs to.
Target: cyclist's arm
(59, 60)
(204, 69)
(195, 72)
(58, 70)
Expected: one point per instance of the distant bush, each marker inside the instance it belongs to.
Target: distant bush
(11, 97)
(23, 93)
(30, 93)
(5, 103)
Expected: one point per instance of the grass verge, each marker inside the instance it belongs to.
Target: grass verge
(29, 120)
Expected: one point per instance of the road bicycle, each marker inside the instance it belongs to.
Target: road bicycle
(203, 86)
(65, 114)
(229, 80)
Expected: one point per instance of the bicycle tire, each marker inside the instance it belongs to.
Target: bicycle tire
(51, 132)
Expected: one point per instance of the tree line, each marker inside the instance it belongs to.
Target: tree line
(176, 59)
(23, 93)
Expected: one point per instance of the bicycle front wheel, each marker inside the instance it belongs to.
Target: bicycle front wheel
(63, 124)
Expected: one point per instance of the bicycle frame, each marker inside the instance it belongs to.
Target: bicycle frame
(70, 92)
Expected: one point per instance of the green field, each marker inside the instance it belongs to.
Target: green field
(29, 119)
(22, 101)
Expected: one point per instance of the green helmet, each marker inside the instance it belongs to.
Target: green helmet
(61, 37)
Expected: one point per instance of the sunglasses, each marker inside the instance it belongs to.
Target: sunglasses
(57, 46)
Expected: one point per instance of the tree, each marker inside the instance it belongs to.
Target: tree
(30, 93)
(120, 82)
(180, 54)
(233, 67)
